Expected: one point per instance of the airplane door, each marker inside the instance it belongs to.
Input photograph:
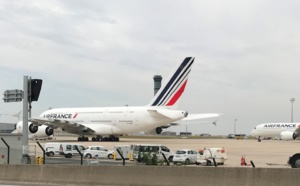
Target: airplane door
(133, 116)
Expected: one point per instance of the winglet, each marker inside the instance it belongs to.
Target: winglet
(17, 115)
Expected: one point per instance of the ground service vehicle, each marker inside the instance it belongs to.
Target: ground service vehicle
(185, 156)
(98, 151)
(52, 149)
(125, 150)
(206, 155)
(140, 149)
(69, 149)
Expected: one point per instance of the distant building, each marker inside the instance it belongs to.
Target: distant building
(7, 127)
(205, 135)
(168, 133)
(185, 133)
(237, 136)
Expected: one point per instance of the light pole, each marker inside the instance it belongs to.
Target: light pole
(235, 126)
(292, 101)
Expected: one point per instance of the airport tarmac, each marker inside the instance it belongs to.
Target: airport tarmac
(267, 153)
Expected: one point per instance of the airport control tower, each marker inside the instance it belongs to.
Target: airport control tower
(157, 83)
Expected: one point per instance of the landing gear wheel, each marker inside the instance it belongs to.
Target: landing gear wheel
(94, 139)
(98, 138)
(83, 138)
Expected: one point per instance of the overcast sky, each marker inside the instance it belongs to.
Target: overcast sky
(105, 53)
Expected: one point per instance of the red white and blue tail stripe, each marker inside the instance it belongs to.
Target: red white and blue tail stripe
(174, 86)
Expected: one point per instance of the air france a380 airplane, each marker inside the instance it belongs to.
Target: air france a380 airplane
(285, 131)
(107, 123)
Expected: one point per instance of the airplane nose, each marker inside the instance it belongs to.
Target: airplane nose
(253, 133)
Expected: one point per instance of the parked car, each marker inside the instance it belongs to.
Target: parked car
(185, 156)
(98, 151)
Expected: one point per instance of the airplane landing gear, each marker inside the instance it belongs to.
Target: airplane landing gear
(113, 138)
(83, 138)
(110, 138)
(97, 138)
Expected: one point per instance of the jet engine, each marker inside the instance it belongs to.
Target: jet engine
(288, 135)
(39, 131)
(33, 128)
(157, 130)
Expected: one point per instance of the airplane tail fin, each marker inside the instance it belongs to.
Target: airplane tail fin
(172, 89)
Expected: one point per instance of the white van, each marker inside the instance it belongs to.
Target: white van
(140, 149)
(69, 149)
(52, 149)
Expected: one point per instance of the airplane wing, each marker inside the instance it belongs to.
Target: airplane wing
(171, 114)
(196, 117)
(58, 123)
(201, 116)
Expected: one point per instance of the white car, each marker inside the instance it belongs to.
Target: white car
(185, 156)
(98, 151)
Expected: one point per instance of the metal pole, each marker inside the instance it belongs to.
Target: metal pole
(235, 127)
(29, 98)
(25, 121)
(186, 131)
(292, 112)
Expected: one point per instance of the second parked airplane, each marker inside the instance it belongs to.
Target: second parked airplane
(284, 131)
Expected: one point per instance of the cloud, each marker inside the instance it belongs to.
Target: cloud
(102, 53)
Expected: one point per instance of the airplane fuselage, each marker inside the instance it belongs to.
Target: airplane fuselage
(114, 120)
(273, 129)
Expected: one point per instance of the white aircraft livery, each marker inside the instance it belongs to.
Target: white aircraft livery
(108, 123)
(285, 131)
